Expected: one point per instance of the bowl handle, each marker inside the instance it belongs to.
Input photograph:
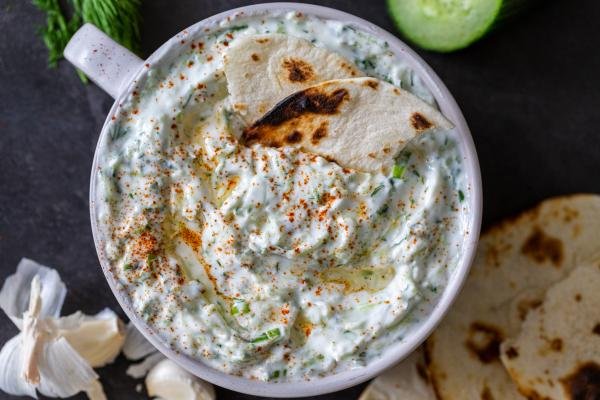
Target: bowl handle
(107, 63)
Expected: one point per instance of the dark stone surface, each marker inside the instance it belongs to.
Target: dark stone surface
(530, 94)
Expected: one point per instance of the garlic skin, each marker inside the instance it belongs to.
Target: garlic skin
(140, 369)
(169, 381)
(14, 296)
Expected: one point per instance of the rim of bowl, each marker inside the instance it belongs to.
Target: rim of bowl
(395, 352)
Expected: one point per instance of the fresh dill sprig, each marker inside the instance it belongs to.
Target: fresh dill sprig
(58, 31)
(119, 19)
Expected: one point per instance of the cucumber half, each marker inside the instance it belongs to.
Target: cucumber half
(447, 25)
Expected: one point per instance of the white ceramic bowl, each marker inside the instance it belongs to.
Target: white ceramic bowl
(115, 69)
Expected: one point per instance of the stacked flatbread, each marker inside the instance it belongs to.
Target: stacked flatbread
(527, 323)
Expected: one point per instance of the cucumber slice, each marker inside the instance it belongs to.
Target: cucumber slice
(447, 25)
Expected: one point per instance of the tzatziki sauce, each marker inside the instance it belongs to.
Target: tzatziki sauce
(271, 263)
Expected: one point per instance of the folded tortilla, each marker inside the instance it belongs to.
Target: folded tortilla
(263, 69)
(360, 123)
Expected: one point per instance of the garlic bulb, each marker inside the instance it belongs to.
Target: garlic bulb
(170, 382)
(53, 355)
(38, 359)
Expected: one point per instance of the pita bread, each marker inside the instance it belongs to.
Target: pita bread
(263, 69)
(515, 264)
(556, 355)
(406, 381)
(360, 123)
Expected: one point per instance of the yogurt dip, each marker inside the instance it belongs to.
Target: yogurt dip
(271, 263)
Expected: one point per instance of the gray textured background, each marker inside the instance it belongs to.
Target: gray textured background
(530, 93)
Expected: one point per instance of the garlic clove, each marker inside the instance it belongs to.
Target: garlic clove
(11, 380)
(168, 380)
(136, 346)
(63, 371)
(14, 296)
(140, 369)
(98, 339)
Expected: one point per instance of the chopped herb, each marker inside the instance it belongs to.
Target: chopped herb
(268, 335)
(383, 209)
(275, 374)
(366, 63)
(117, 132)
(260, 338)
(238, 28)
(316, 196)
(240, 307)
(142, 229)
(320, 357)
(367, 273)
(461, 196)
(398, 171)
(127, 267)
(187, 101)
(377, 189)
(151, 257)
(273, 333)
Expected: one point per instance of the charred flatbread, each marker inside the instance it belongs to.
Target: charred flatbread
(556, 354)
(360, 123)
(515, 264)
(263, 69)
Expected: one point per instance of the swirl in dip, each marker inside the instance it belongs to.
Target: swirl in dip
(271, 263)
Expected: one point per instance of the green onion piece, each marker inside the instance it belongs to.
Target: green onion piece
(273, 333)
(398, 171)
(240, 307)
(127, 267)
(268, 335)
(275, 374)
(260, 338)
(461, 196)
